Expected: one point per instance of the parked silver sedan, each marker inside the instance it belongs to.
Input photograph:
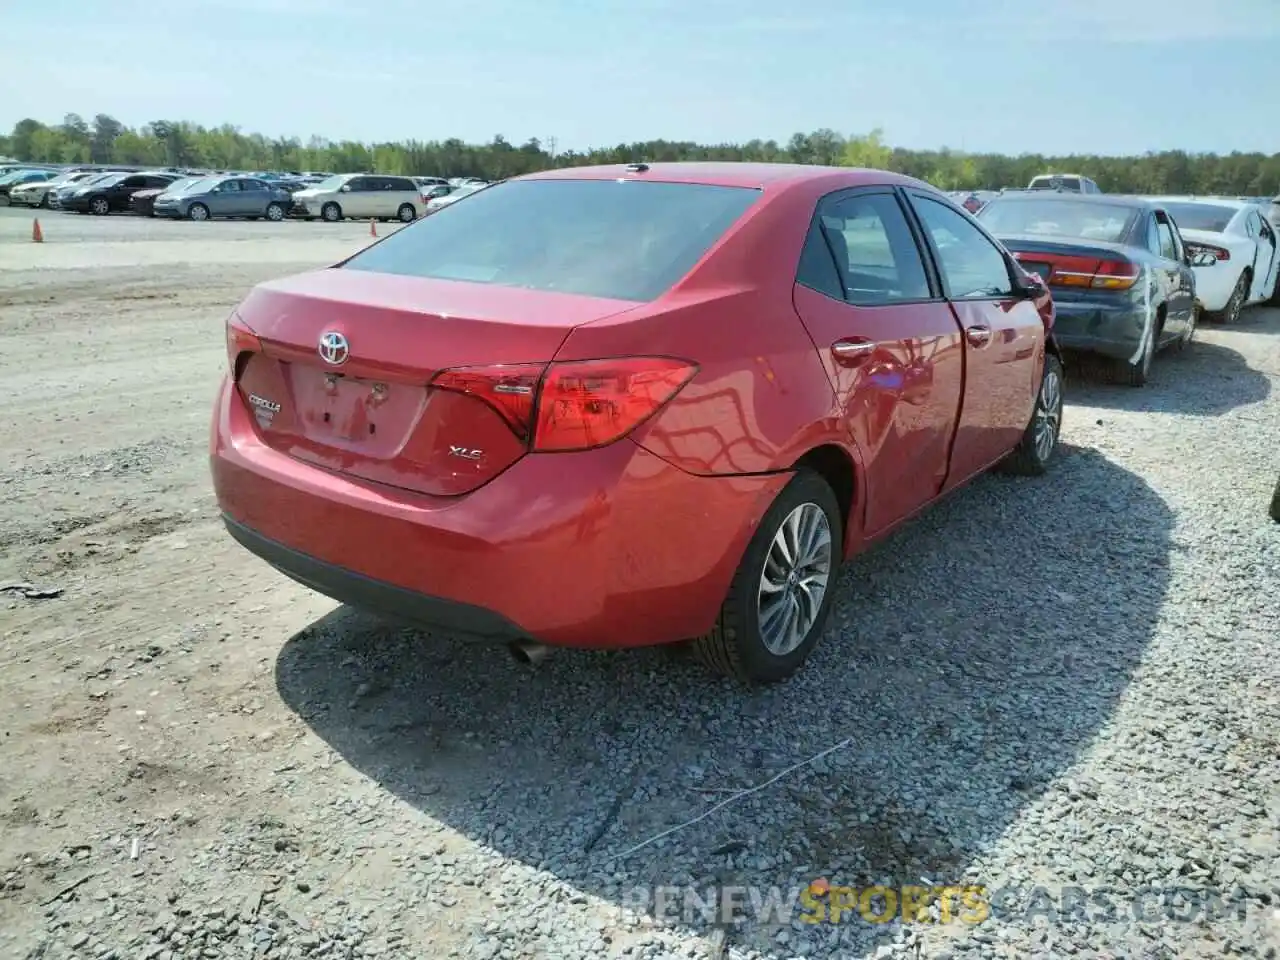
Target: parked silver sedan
(226, 196)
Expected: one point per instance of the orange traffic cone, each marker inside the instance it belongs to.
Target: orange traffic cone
(37, 235)
(373, 227)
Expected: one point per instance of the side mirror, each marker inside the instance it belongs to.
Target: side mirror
(1029, 285)
(1201, 258)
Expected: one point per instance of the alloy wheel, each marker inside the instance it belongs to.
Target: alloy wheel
(1048, 415)
(795, 578)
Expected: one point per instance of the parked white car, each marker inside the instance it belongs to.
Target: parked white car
(1244, 246)
(435, 203)
(40, 193)
(361, 195)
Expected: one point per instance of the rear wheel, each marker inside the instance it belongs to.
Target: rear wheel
(406, 213)
(1275, 503)
(1184, 341)
(1231, 312)
(198, 211)
(44, 202)
(782, 592)
(1040, 441)
(99, 206)
(331, 212)
(275, 212)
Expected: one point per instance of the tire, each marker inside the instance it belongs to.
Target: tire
(1184, 341)
(1034, 452)
(198, 212)
(1231, 312)
(736, 646)
(406, 213)
(1275, 503)
(100, 206)
(275, 212)
(1137, 374)
(331, 212)
(45, 202)
(1274, 299)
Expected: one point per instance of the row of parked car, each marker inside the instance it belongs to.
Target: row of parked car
(1132, 275)
(203, 195)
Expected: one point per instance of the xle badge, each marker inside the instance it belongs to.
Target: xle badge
(464, 453)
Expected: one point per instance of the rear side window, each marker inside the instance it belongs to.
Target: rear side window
(401, 184)
(876, 258)
(624, 240)
(1201, 216)
(1168, 245)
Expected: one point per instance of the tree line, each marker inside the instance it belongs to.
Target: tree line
(183, 144)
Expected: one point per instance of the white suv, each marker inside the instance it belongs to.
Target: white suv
(362, 196)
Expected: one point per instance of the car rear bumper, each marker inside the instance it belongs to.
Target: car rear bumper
(1111, 329)
(602, 549)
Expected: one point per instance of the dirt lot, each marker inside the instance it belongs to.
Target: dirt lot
(1054, 688)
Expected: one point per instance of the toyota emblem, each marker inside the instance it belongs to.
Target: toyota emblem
(334, 348)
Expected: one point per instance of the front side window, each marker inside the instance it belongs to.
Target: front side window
(624, 240)
(973, 268)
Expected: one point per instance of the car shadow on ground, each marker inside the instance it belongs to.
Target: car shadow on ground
(969, 660)
(1206, 380)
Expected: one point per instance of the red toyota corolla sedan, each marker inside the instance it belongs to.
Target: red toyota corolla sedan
(617, 406)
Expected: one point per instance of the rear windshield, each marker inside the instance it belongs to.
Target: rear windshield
(1074, 219)
(624, 240)
(1056, 183)
(1201, 216)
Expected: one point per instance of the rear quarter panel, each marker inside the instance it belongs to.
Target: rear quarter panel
(761, 398)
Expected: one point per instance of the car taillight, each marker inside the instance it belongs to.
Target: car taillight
(1116, 275)
(573, 405)
(240, 341)
(1107, 275)
(1219, 253)
(509, 388)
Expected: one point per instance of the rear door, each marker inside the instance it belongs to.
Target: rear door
(890, 344)
(1268, 233)
(402, 190)
(1263, 260)
(1004, 336)
(1179, 287)
(254, 197)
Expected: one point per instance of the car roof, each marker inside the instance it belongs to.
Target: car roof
(1101, 199)
(1230, 202)
(723, 173)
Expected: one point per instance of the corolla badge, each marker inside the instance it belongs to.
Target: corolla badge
(334, 348)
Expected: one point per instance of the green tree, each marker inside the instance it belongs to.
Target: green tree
(176, 143)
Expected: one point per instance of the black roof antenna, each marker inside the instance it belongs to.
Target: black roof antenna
(637, 167)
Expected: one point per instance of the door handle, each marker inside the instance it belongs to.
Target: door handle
(978, 336)
(851, 352)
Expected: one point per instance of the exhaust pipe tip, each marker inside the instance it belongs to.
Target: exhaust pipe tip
(528, 652)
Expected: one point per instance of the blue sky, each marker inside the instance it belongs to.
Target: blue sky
(1111, 76)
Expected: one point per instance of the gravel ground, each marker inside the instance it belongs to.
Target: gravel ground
(1063, 691)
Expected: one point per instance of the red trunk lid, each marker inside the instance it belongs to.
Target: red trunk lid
(373, 415)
